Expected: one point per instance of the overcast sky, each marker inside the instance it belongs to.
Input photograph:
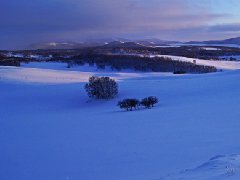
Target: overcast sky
(23, 22)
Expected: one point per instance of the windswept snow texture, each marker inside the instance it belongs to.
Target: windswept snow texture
(217, 168)
(50, 130)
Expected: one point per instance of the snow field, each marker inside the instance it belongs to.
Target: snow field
(49, 129)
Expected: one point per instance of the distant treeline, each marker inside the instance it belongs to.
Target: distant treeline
(146, 64)
(120, 62)
(185, 51)
(8, 61)
(198, 52)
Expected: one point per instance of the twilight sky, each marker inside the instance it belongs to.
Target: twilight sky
(23, 22)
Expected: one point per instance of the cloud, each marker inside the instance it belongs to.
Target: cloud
(24, 21)
(235, 27)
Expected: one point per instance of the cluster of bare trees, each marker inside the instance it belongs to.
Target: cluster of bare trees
(101, 87)
(130, 104)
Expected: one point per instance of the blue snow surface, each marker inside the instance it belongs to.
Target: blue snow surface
(52, 131)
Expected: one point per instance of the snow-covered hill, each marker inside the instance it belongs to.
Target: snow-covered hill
(224, 65)
(50, 130)
(219, 64)
(58, 73)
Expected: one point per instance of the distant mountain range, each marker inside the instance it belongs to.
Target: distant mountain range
(121, 44)
(107, 43)
(52, 45)
(125, 43)
(226, 41)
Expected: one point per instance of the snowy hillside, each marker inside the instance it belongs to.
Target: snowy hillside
(219, 64)
(56, 73)
(225, 65)
(50, 130)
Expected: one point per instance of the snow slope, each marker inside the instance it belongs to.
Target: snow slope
(56, 73)
(211, 48)
(225, 65)
(50, 130)
(221, 64)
